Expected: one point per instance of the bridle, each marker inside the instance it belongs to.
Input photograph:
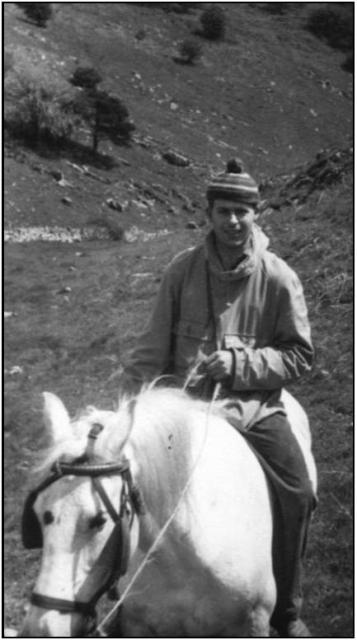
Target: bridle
(130, 503)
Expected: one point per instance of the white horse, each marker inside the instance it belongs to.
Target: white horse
(165, 478)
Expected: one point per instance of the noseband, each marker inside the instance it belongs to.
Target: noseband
(129, 503)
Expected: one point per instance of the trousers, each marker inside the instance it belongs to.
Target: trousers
(293, 502)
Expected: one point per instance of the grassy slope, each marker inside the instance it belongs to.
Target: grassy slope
(72, 343)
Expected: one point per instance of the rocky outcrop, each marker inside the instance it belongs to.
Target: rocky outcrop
(329, 167)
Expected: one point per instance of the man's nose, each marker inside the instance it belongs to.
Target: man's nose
(233, 218)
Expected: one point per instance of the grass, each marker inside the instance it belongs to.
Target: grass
(75, 342)
(77, 308)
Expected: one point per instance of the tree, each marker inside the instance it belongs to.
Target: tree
(38, 12)
(213, 23)
(86, 77)
(106, 116)
(105, 113)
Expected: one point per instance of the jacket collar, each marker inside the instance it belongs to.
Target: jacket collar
(256, 245)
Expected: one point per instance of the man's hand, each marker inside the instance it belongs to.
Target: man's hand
(219, 365)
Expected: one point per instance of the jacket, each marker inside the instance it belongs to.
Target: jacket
(257, 311)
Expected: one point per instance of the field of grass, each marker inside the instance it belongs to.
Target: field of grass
(76, 310)
(72, 311)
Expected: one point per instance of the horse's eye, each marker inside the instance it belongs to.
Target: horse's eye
(97, 522)
(48, 517)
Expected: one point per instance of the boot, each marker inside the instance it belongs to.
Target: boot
(295, 629)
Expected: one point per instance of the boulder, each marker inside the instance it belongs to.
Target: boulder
(172, 157)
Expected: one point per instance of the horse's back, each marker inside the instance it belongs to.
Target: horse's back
(299, 423)
(213, 570)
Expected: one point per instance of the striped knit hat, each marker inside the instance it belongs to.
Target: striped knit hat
(234, 184)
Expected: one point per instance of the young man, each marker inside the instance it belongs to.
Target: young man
(229, 312)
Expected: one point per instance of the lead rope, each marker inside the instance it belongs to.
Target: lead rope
(100, 631)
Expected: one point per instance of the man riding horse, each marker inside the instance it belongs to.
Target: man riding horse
(230, 319)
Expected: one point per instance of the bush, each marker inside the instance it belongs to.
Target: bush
(276, 8)
(38, 12)
(336, 28)
(190, 50)
(8, 61)
(86, 77)
(213, 23)
(349, 63)
(38, 106)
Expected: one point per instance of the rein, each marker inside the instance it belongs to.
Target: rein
(129, 504)
(100, 629)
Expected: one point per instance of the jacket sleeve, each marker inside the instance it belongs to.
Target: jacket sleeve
(291, 352)
(151, 355)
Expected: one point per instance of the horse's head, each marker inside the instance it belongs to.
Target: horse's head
(83, 515)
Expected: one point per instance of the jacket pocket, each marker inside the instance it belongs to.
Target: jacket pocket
(238, 340)
(192, 341)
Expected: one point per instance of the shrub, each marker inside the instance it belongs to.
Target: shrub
(213, 23)
(336, 28)
(190, 50)
(38, 12)
(276, 8)
(8, 61)
(349, 63)
(86, 77)
(38, 106)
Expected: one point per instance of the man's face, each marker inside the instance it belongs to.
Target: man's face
(231, 222)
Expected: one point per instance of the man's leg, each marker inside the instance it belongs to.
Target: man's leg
(282, 459)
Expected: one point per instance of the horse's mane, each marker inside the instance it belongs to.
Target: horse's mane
(149, 421)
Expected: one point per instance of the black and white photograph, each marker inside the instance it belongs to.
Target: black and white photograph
(178, 319)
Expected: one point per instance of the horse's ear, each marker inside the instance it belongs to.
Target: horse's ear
(56, 416)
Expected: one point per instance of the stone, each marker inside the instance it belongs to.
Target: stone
(56, 174)
(64, 290)
(172, 157)
(114, 204)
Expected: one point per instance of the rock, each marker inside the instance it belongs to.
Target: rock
(114, 204)
(172, 157)
(192, 225)
(173, 106)
(64, 183)
(67, 201)
(56, 174)
(64, 290)
(131, 235)
(16, 370)
(37, 167)
(140, 35)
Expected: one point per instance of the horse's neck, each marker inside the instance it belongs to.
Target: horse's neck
(164, 463)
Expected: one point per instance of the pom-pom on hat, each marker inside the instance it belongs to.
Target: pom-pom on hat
(234, 184)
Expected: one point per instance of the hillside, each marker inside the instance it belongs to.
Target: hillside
(271, 93)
